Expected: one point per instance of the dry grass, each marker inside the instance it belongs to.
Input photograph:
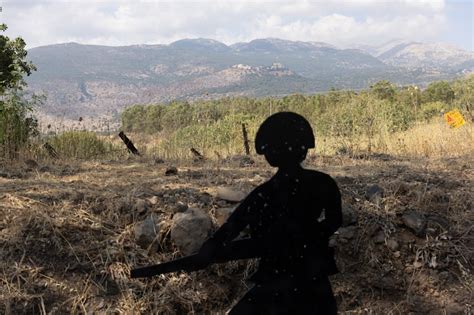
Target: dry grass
(433, 140)
(430, 140)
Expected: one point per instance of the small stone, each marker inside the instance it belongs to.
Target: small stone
(444, 276)
(372, 229)
(397, 254)
(455, 308)
(222, 203)
(121, 205)
(349, 216)
(246, 161)
(415, 222)
(145, 232)
(31, 164)
(392, 244)
(406, 237)
(114, 252)
(417, 264)
(205, 198)
(77, 197)
(374, 193)
(44, 169)
(436, 224)
(379, 237)
(229, 194)
(180, 207)
(140, 206)
(171, 171)
(222, 214)
(153, 200)
(385, 283)
(347, 232)
(190, 229)
(158, 161)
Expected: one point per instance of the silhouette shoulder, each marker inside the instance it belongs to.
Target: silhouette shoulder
(320, 176)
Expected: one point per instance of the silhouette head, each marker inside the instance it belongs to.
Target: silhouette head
(284, 138)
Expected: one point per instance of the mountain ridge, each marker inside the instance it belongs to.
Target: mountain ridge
(98, 80)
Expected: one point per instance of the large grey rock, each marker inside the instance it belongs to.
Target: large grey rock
(415, 222)
(229, 194)
(190, 229)
(222, 214)
(145, 232)
(374, 193)
(347, 233)
(349, 216)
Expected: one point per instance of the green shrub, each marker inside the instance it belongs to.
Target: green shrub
(355, 119)
(431, 109)
(439, 91)
(80, 145)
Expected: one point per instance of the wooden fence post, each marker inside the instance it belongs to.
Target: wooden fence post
(128, 143)
(246, 139)
(51, 151)
(197, 155)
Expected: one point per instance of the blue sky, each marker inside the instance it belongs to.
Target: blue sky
(343, 23)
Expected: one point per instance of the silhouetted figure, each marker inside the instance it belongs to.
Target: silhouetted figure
(283, 216)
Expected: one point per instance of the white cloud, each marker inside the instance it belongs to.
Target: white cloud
(134, 22)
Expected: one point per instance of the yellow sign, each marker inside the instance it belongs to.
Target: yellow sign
(454, 118)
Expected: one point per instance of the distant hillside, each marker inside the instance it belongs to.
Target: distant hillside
(429, 56)
(90, 80)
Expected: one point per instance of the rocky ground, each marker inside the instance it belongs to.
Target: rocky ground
(70, 232)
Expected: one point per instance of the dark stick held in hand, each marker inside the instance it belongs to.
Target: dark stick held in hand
(236, 250)
(128, 143)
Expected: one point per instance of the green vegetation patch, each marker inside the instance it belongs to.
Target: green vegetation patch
(81, 145)
(342, 116)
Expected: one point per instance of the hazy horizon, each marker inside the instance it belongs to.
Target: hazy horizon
(355, 46)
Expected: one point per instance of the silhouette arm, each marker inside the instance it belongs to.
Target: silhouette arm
(332, 210)
(236, 222)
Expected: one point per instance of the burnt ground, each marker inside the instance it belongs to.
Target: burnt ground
(67, 239)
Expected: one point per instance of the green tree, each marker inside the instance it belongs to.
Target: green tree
(16, 122)
(383, 90)
(154, 118)
(177, 115)
(134, 119)
(438, 91)
(464, 96)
